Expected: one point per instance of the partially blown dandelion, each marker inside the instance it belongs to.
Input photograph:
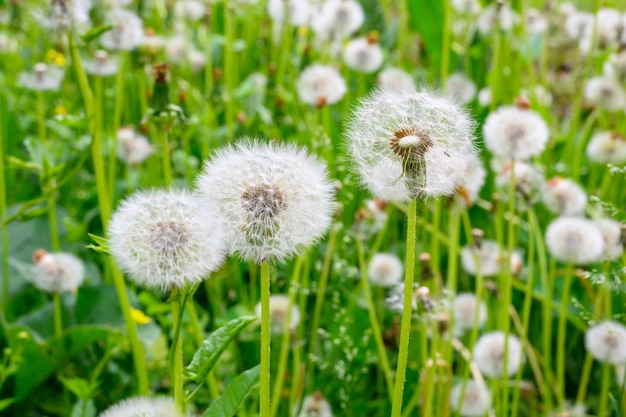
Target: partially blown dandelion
(57, 272)
(143, 407)
(607, 342)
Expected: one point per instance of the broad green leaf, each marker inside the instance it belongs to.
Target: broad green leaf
(95, 33)
(101, 246)
(227, 404)
(426, 17)
(211, 349)
(98, 305)
(5, 403)
(80, 387)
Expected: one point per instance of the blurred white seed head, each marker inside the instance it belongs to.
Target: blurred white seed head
(460, 88)
(610, 24)
(320, 85)
(566, 9)
(535, 22)
(537, 94)
(564, 197)
(143, 406)
(475, 402)
(385, 270)
(489, 354)
(468, 7)
(132, 147)
(484, 259)
(42, 78)
(315, 405)
(165, 239)
(298, 11)
(528, 181)
(102, 64)
(408, 144)
(57, 272)
(395, 79)
(191, 10)
(176, 48)
(612, 234)
(274, 199)
(279, 307)
(127, 31)
(606, 93)
(363, 55)
(61, 14)
(606, 342)
(615, 65)
(607, 147)
(484, 96)
(496, 16)
(575, 240)
(474, 180)
(578, 24)
(337, 19)
(514, 133)
(468, 313)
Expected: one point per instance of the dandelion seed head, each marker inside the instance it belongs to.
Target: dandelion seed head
(143, 407)
(132, 148)
(612, 234)
(476, 400)
(528, 181)
(102, 64)
(615, 66)
(42, 78)
(535, 22)
(485, 259)
(299, 11)
(338, 19)
(126, 33)
(514, 133)
(460, 88)
(279, 305)
(607, 147)
(362, 55)
(564, 197)
(474, 180)
(315, 405)
(578, 24)
(494, 16)
(191, 10)
(605, 93)
(489, 354)
(57, 272)
(468, 313)
(606, 342)
(469, 7)
(319, 85)
(574, 240)
(395, 79)
(385, 270)
(484, 96)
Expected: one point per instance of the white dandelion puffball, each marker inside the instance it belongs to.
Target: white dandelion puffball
(395, 79)
(191, 10)
(363, 55)
(474, 181)
(337, 19)
(528, 181)
(489, 354)
(41, 78)
(470, 7)
(575, 240)
(606, 342)
(564, 197)
(57, 272)
(101, 65)
(315, 405)
(578, 24)
(485, 259)
(460, 87)
(468, 313)
(299, 11)
(615, 66)
(385, 270)
(279, 305)
(143, 407)
(475, 402)
(535, 22)
(165, 239)
(607, 147)
(605, 93)
(274, 199)
(127, 31)
(484, 96)
(511, 132)
(408, 144)
(320, 85)
(612, 234)
(495, 16)
(132, 148)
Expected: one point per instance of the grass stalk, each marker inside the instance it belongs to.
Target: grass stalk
(264, 401)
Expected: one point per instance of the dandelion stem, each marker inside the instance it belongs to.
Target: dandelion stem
(58, 315)
(445, 44)
(4, 301)
(405, 328)
(176, 350)
(560, 347)
(165, 154)
(265, 341)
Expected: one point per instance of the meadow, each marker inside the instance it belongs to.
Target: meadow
(312, 208)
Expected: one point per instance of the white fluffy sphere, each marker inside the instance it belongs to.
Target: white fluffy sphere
(489, 354)
(143, 407)
(476, 400)
(58, 272)
(511, 132)
(606, 342)
(575, 240)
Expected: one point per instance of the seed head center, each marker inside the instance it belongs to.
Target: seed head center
(263, 202)
(169, 236)
(410, 142)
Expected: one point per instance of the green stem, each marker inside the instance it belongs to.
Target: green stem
(371, 311)
(560, 348)
(58, 315)
(445, 44)
(176, 351)
(604, 390)
(264, 401)
(165, 154)
(229, 69)
(405, 327)
(3, 214)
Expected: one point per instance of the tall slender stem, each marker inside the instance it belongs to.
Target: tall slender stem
(265, 341)
(405, 327)
(3, 213)
(560, 347)
(176, 351)
(58, 315)
(165, 154)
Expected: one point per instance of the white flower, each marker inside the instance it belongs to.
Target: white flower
(536, 23)
(610, 24)
(607, 147)
(564, 197)
(528, 181)
(578, 24)
(385, 270)
(514, 133)
(484, 96)
(320, 85)
(338, 19)
(575, 240)
(395, 79)
(42, 78)
(605, 93)
(470, 7)
(102, 64)
(408, 144)
(468, 313)
(489, 354)
(615, 66)
(460, 87)
(165, 239)
(279, 305)
(191, 10)
(273, 199)
(61, 14)
(363, 55)
(143, 407)
(494, 16)
(606, 342)
(486, 259)
(475, 402)
(57, 272)
(299, 11)
(132, 148)
(612, 234)
(127, 31)
(315, 405)
(566, 9)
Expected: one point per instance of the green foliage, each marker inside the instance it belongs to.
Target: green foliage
(227, 404)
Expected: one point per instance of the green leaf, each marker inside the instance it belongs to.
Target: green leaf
(79, 387)
(5, 403)
(426, 17)
(227, 404)
(94, 33)
(101, 246)
(211, 349)
(84, 409)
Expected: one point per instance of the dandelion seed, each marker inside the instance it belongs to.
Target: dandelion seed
(476, 400)
(484, 96)
(143, 407)
(575, 240)
(363, 54)
(41, 78)
(489, 354)
(408, 144)
(468, 313)
(385, 270)
(460, 88)
(163, 239)
(607, 147)
(395, 79)
(126, 33)
(564, 197)
(606, 342)
(273, 199)
(320, 85)
(279, 305)
(57, 272)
